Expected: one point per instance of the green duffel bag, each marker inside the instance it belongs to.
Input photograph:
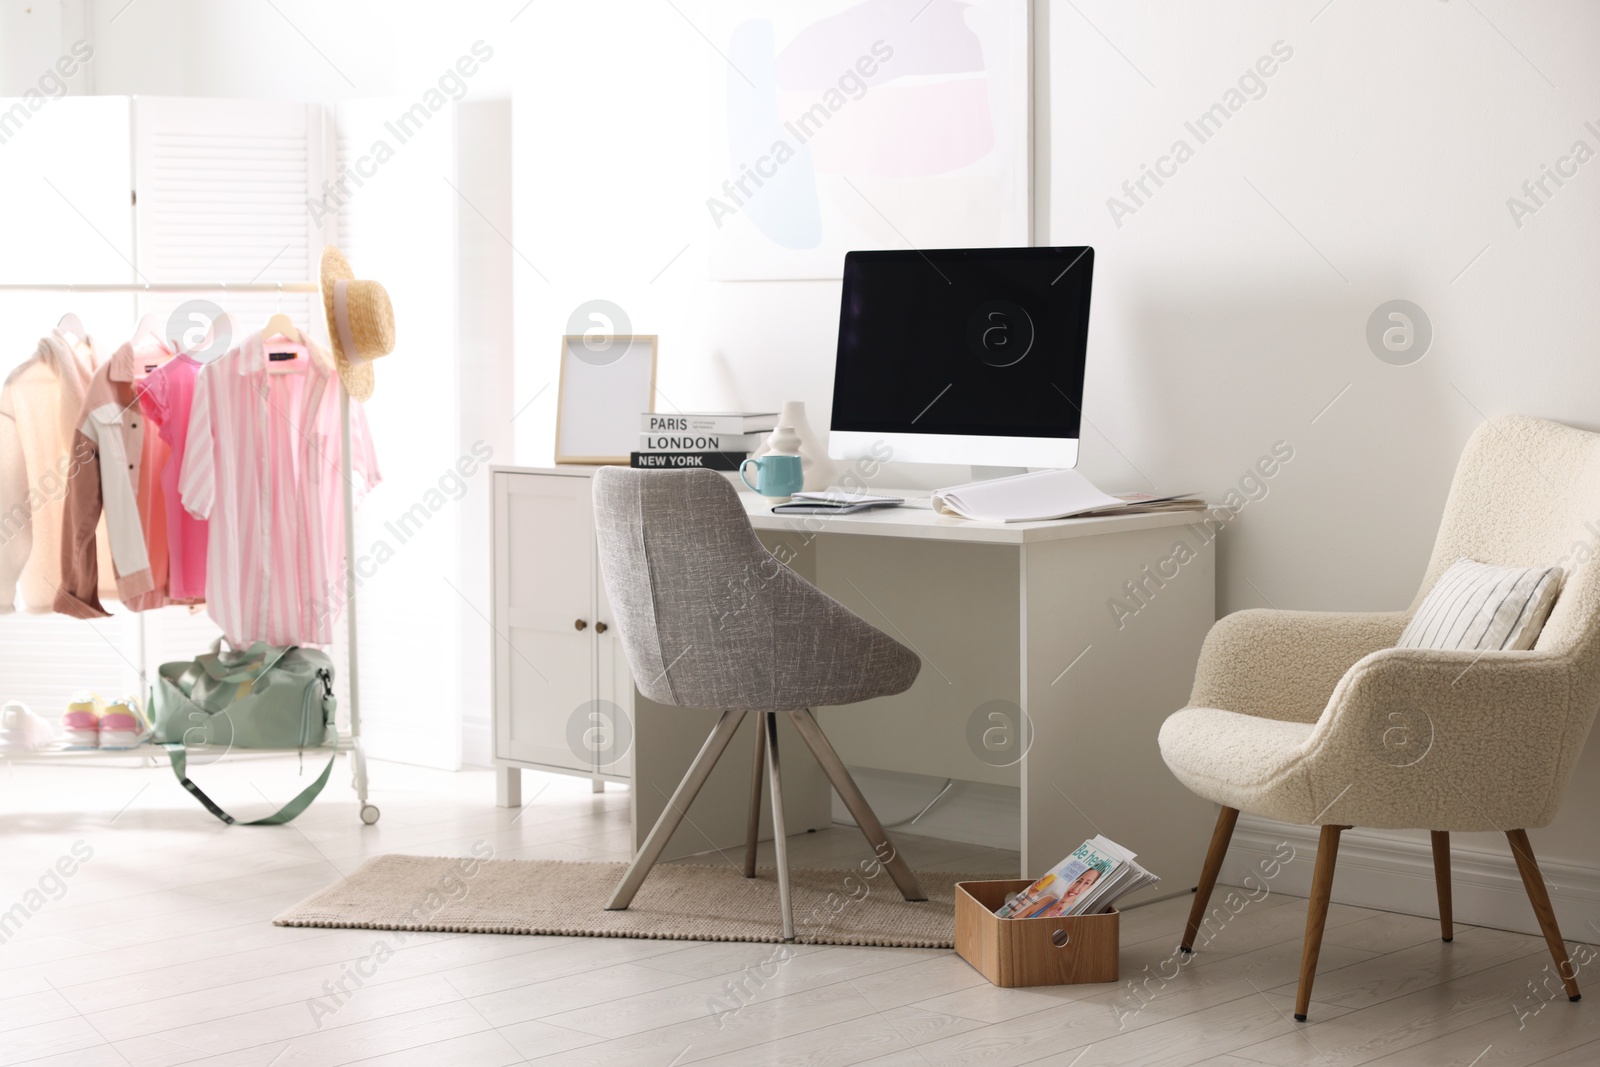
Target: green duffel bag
(259, 697)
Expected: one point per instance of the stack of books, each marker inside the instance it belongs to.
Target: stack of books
(713, 440)
(1085, 883)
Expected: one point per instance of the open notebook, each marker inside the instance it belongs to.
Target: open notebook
(1055, 494)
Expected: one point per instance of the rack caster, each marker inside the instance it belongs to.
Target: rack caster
(369, 813)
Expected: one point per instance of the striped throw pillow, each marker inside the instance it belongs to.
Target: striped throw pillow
(1476, 606)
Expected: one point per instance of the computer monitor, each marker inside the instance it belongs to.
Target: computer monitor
(962, 355)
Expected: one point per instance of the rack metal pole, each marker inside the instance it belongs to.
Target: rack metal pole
(159, 287)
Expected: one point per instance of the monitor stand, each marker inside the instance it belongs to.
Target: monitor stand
(989, 474)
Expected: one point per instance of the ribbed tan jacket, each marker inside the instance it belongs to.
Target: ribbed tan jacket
(39, 406)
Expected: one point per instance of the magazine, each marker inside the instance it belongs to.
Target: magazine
(1069, 879)
(1088, 882)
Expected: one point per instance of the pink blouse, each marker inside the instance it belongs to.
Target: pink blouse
(165, 397)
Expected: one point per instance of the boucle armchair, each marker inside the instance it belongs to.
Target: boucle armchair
(710, 619)
(1317, 718)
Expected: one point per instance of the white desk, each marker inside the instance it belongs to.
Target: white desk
(1017, 613)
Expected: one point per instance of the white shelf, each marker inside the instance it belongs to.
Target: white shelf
(155, 755)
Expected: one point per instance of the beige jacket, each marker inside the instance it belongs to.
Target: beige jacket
(39, 405)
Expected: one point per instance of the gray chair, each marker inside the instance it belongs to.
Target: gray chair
(710, 619)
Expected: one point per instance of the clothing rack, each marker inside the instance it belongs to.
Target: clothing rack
(358, 760)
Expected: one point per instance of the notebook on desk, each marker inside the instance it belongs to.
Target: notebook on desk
(834, 503)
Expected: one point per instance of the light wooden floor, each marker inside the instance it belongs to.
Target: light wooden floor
(159, 950)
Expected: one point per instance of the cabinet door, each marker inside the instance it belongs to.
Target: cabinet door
(544, 585)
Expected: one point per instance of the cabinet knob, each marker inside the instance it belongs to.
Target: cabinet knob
(599, 627)
(579, 624)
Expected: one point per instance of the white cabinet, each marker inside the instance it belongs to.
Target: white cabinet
(562, 692)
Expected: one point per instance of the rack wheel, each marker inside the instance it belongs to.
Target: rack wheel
(369, 813)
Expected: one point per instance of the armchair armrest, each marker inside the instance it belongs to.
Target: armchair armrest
(1459, 740)
(1285, 664)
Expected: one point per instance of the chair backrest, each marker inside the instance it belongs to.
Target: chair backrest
(1527, 493)
(710, 619)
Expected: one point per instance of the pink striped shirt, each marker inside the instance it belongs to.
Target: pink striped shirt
(261, 463)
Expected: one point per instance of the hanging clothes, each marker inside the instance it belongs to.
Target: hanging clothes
(119, 474)
(39, 406)
(166, 397)
(262, 463)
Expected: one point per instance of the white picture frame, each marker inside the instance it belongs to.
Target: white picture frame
(606, 383)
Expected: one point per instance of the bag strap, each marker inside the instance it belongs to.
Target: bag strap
(300, 803)
(253, 662)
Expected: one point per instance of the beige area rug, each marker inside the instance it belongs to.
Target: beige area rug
(678, 901)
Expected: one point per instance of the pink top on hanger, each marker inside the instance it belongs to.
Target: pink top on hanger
(165, 397)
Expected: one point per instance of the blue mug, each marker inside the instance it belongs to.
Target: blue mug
(777, 477)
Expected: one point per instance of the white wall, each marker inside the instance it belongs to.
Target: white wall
(614, 161)
(1387, 146)
(484, 378)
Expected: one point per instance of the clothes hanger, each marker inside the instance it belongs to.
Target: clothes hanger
(149, 326)
(284, 359)
(282, 325)
(72, 326)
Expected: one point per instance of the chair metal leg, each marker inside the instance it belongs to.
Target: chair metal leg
(811, 733)
(673, 814)
(1220, 837)
(1317, 915)
(1441, 878)
(780, 841)
(1539, 897)
(755, 799)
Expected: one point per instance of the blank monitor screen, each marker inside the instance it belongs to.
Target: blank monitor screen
(964, 343)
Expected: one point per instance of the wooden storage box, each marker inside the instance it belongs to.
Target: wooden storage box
(1069, 950)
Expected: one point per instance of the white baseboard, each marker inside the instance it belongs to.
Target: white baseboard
(1393, 872)
(973, 813)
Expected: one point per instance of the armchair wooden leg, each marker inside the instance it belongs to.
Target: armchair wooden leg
(753, 829)
(1208, 875)
(1533, 882)
(1441, 878)
(1317, 915)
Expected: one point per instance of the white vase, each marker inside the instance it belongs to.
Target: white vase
(783, 441)
(820, 471)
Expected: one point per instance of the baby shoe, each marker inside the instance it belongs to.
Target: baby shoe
(80, 726)
(122, 724)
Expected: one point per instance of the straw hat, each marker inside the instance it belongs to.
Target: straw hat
(360, 322)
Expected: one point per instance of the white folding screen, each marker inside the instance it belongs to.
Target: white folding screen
(224, 192)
